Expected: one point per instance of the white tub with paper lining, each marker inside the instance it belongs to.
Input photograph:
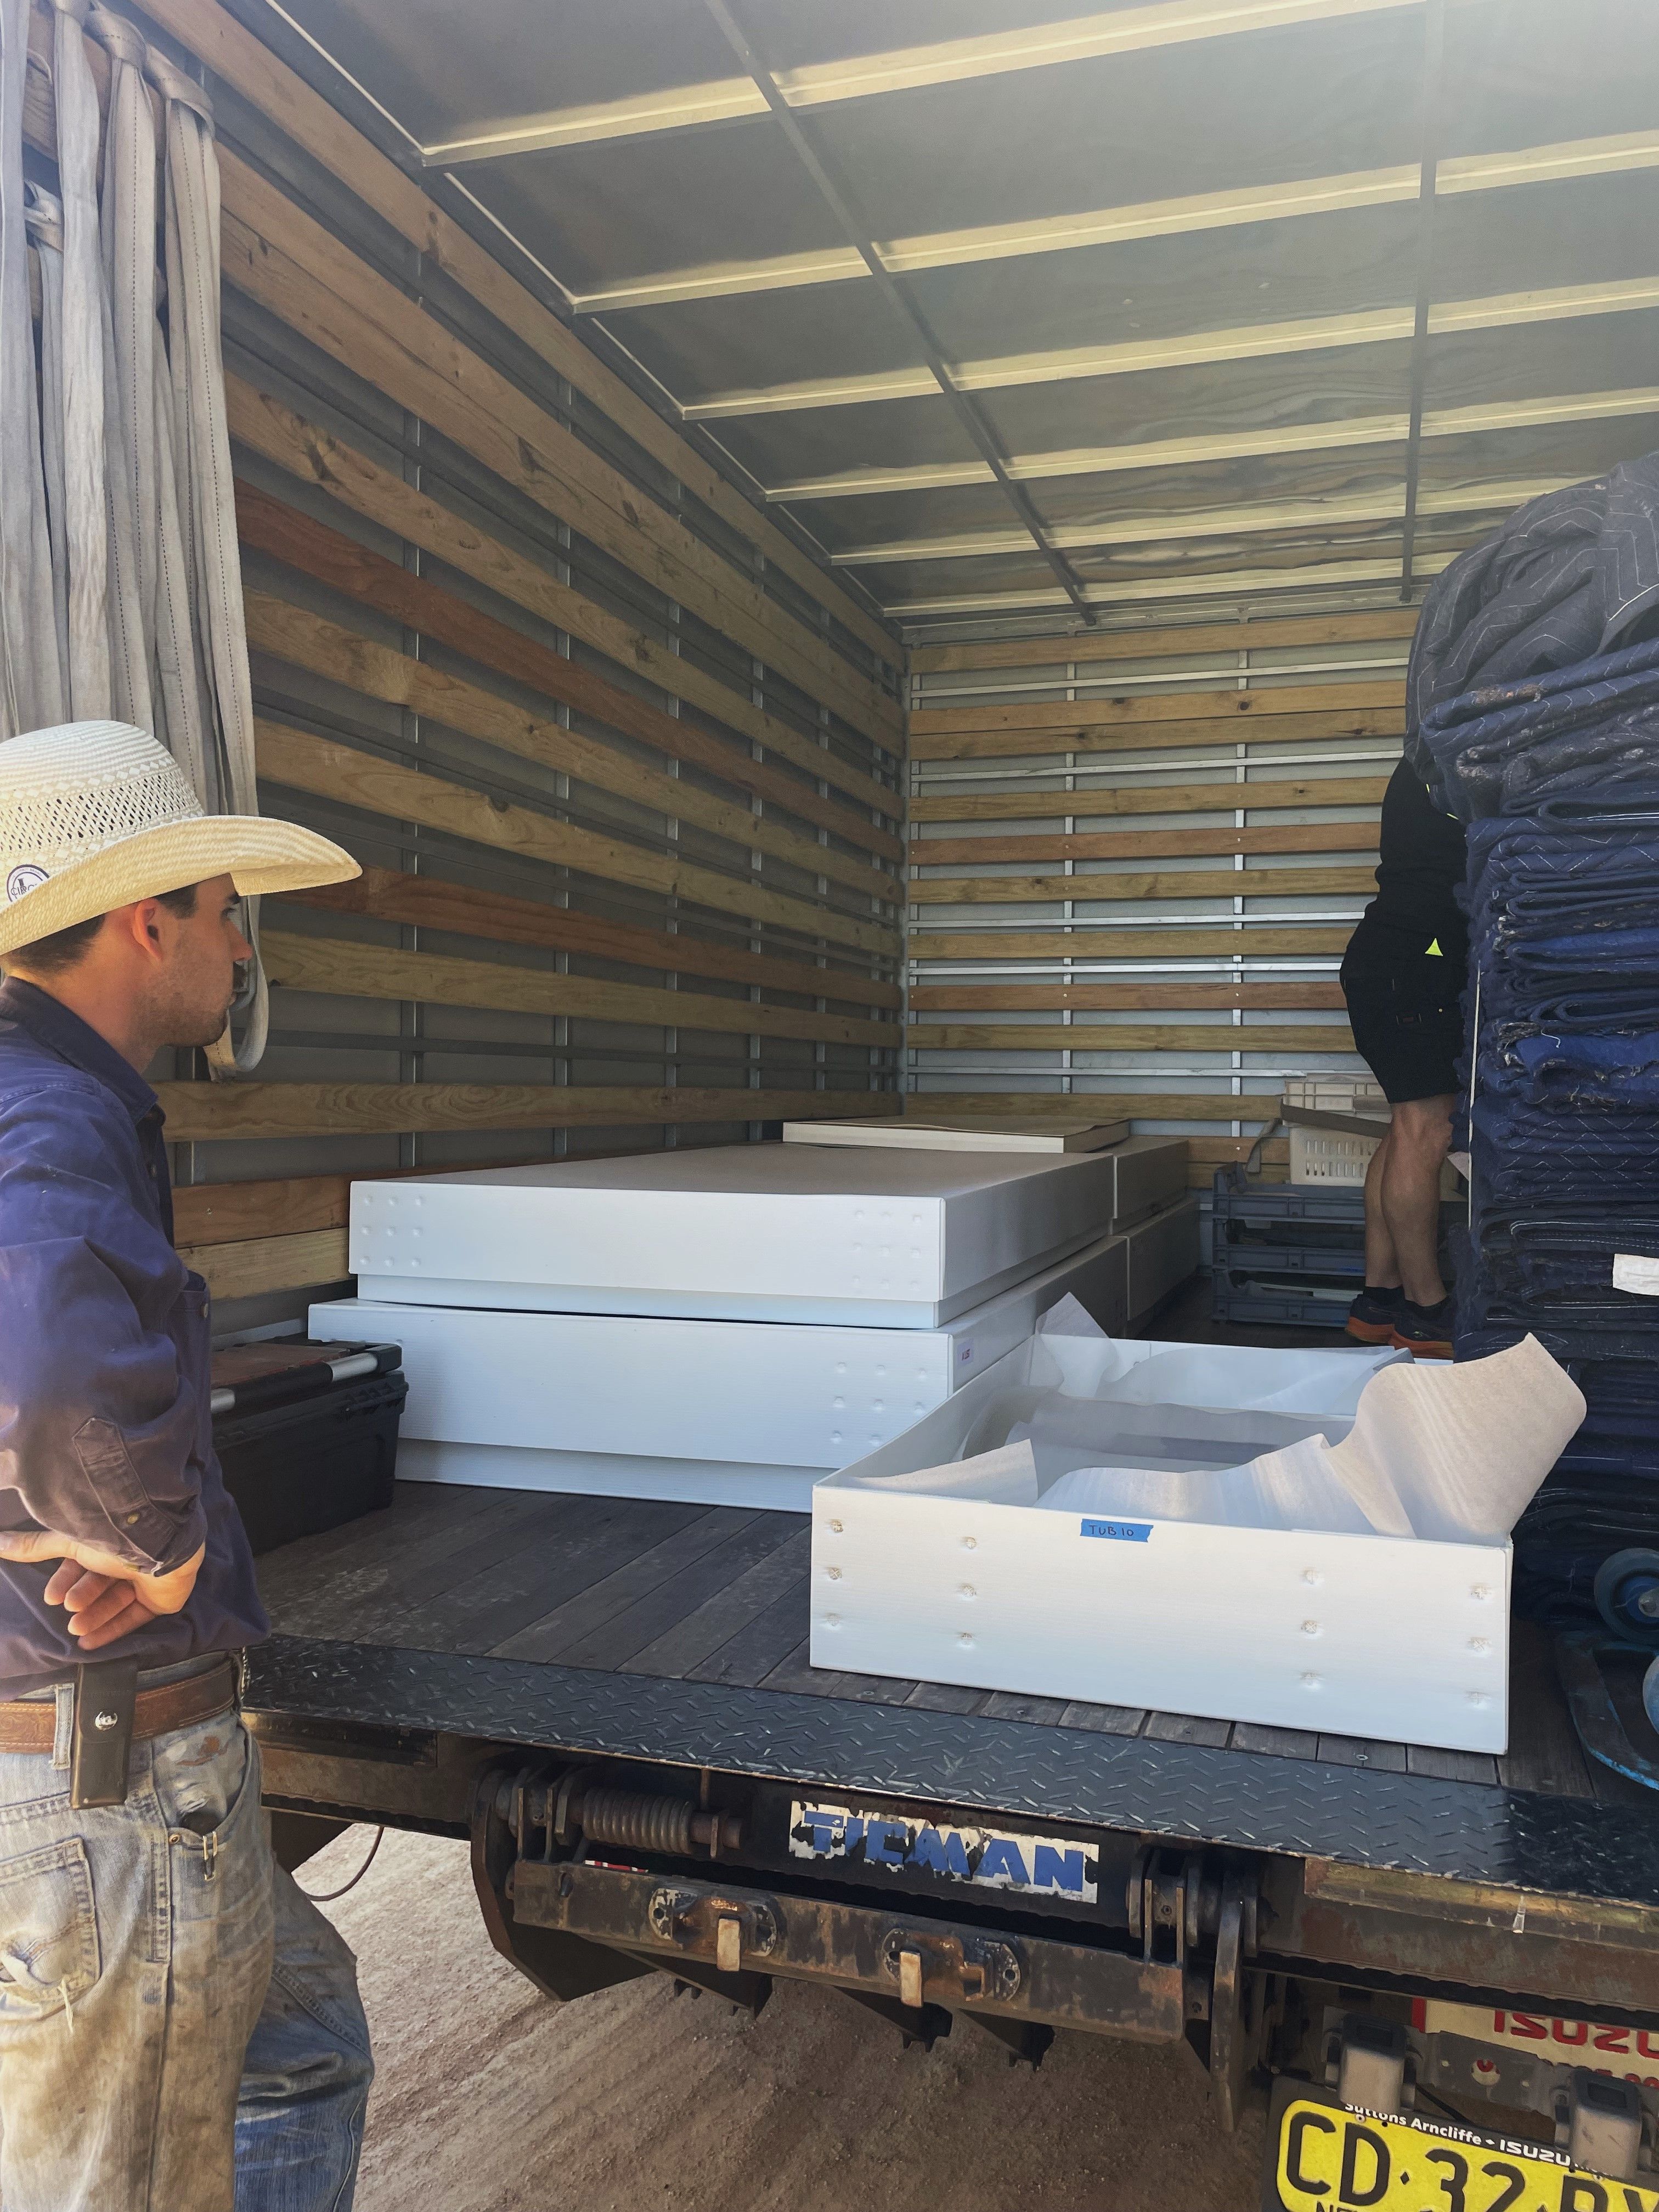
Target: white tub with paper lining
(735, 1232)
(706, 1413)
(1130, 1525)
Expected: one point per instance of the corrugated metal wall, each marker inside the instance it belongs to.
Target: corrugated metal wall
(1137, 856)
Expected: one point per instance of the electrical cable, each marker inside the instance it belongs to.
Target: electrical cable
(328, 1896)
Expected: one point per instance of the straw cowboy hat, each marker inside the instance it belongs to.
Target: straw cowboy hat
(97, 814)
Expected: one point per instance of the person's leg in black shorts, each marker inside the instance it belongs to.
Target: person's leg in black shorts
(1403, 1006)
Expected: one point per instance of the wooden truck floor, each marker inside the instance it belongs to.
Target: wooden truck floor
(679, 1632)
(719, 1593)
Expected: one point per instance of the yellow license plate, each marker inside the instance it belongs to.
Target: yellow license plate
(1331, 2159)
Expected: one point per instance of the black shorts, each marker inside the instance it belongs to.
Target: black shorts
(1403, 1007)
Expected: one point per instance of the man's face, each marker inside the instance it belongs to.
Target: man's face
(195, 979)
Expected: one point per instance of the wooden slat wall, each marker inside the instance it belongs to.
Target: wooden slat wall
(1136, 857)
(623, 763)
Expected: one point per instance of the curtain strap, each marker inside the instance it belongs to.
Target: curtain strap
(174, 86)
(120, 39)
(43, 216)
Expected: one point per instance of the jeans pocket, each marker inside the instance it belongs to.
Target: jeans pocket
(49, 1953)
(207, 1783)
(201, 1773)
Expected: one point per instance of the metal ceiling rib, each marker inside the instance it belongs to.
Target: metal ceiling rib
(1248, 341)
(1496, 498)
(1228, 585)
(1228, 446)
(1284, 202)
(862, 76)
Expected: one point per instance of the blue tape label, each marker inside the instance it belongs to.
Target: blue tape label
(1120, 1532)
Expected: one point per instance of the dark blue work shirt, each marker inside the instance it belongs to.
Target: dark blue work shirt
(105, 1423)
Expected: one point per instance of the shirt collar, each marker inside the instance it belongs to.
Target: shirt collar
(51, 1023)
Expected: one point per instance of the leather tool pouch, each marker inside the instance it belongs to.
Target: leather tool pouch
(105, 1693)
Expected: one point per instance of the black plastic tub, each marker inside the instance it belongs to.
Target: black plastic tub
(306, 1434)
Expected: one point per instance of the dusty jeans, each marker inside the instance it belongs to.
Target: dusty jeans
(179, 2028)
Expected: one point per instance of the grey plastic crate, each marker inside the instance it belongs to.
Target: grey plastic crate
(1238, 1199)
(1348, 1261)
(1255, 1301)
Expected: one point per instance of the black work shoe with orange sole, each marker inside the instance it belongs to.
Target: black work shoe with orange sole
(1424, 1331)
(1373, 1314)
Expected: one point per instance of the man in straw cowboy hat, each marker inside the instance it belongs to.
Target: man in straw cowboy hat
(178, 2026)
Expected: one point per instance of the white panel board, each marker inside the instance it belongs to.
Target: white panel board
(758, 1232)
(919, 1136)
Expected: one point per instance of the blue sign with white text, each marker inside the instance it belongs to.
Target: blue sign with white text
(1051, 1866)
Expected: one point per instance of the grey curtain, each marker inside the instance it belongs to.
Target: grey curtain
(31, 686)
(120, 582)
(43, 213)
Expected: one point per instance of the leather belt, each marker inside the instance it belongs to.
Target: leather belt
(31, 1724)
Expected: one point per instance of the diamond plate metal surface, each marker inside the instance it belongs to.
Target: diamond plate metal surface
(1463, 1831)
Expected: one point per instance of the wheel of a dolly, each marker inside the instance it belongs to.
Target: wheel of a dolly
(1627, 1593)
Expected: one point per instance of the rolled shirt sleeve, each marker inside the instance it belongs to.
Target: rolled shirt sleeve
(100, 1425)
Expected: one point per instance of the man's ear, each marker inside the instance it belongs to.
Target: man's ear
(143, 922)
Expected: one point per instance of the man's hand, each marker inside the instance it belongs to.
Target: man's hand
(105, 1598)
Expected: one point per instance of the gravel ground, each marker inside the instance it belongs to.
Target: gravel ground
(491, 2099)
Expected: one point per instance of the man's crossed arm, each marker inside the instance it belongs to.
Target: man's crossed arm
(104, 1596)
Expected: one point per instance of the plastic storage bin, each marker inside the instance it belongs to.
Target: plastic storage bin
(1336, 1094)
(1282, 1256)
(1333, 1159)
(973, 1582)
(1330, 1158)
(306, 1434)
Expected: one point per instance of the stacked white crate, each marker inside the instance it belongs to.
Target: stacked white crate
(724, 1326)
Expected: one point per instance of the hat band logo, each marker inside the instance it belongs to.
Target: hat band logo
(26, 877)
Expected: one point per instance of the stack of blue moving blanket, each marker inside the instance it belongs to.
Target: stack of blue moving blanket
(1534, 716)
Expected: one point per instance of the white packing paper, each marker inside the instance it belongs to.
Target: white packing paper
(1447, 1452)
(1132, 1372)
(1006, 1476)
(1070, 1317)
(1295, 1488)
(1463, 1447)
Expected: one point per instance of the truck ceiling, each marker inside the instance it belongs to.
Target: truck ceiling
(1020, 310)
